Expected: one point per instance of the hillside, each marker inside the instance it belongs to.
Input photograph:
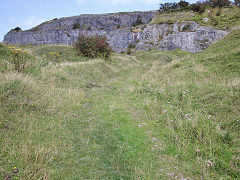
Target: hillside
(220, 18)
(185, 30)
(152, 115)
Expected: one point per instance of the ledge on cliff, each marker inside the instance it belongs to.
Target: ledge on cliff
(109, 21)
(216, 18)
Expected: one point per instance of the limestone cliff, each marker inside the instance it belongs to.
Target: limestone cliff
(187, 36)
(121, 30)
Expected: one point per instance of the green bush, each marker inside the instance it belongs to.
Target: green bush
(219, 3)
(199, 7)
(19, 58)
(93, 46)
(168, 7)
(183, 4)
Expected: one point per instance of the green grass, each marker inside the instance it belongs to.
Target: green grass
(38, 57)
(4, 57)
(154, 115)
(218, 18)
(171, 17)
(67, 53)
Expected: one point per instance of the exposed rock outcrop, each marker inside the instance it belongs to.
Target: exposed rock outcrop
(121, 30)
(187, 36)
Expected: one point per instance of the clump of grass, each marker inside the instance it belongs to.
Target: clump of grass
(32, 59)
(14, 58)
(55, 57)
(19, 58)
(5, 58)
(171, 17)
(17, 95)
(221, 18)
(66, 53)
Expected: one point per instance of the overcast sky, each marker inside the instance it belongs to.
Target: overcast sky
(29, 13)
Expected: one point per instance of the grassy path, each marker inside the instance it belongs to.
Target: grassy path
(135, 117)
(111, 137)
(74, 124)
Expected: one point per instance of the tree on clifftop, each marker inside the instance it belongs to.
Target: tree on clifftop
(183, 4)
(219, 3)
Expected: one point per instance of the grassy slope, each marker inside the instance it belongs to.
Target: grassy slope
(153, 116)
(195, 101)
(228, 17)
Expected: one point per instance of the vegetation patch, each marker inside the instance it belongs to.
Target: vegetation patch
(76, 26)
(93, 46)
(171, 17)
(220, 14)
(186, 28)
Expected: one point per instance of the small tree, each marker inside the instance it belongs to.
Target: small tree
(93, 46)
(166, 7)
(199, 7)
(183, 4)
(17, 29)
(219, 3)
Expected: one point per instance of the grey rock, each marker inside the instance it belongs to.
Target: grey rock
(205, 19)
(154, 33)
(196, 39)
(115, 26)
(175, 27)
(119, 31)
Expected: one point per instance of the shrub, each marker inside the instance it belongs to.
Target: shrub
(76, 26)
(219, 12)
(199, 7)
(129, 51)
(93, 46)
(19, 58)
(17, 29)
(183, 4)
(131, 46)
(167, 7)
(219, 3)
(186, 28)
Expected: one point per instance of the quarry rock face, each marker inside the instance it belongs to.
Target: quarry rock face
(187, 36)
(121, 30)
